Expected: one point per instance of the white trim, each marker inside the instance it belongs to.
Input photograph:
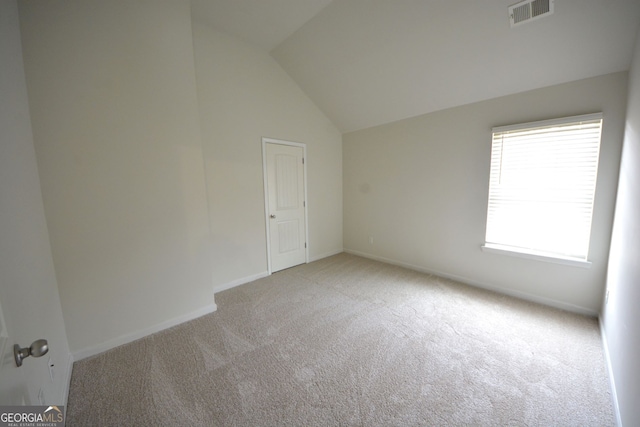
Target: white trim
(326, 255)
(67, 383)
(505, 291)
(551, 122)
(306, 203)
(519, 214)
(266, 141)
(266, 203)
(240, 281)
(612, 382)
(4, 335)
(534, 255)
(127, 338)
(253, 277)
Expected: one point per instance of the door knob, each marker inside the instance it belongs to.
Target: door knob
(272, 216)
(38, 348)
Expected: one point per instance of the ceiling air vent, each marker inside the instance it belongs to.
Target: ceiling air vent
(529, 10)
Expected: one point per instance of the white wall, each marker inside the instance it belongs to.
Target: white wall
(28, 288)
(420, 186)
(115, 119)
(621, 317)
(244, 95)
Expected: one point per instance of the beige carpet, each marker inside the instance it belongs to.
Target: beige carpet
(352, 342)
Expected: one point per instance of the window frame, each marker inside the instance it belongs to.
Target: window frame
(534, 254)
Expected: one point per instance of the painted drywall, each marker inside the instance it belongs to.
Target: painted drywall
(243, 96)
(28, 288)
(114, 110)
(265, 24)
(419, 187)
(371, 62)
(621, 317)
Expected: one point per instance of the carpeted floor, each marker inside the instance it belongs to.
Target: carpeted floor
(353, 342)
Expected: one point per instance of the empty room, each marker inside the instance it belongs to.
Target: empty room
(320, 212)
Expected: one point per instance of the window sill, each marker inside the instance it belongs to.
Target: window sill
(538, 256)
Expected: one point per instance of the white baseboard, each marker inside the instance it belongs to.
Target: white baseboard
(517, 294)
(612, 382)
(238, 282)
(125, 339)
(325, 255)
(247, 279)
(67, 382)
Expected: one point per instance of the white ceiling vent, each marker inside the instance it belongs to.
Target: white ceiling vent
(529, 10)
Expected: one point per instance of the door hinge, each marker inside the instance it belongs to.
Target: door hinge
(303, 160)
(304, 204)
(305, 245)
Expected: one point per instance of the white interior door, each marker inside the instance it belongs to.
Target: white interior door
(13, 389)
(286, 205)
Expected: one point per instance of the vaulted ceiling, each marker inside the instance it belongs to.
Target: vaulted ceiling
(370, 62)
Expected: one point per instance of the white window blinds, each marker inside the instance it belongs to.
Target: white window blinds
(542, 186)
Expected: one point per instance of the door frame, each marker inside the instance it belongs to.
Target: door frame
(266, 141)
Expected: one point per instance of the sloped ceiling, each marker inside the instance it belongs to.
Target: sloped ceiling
(264, 23)
(370, 62)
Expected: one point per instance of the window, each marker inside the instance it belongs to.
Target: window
(542, 186)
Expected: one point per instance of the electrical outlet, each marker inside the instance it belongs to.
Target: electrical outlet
(371, 240)
(51, 368)
(41, 397)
